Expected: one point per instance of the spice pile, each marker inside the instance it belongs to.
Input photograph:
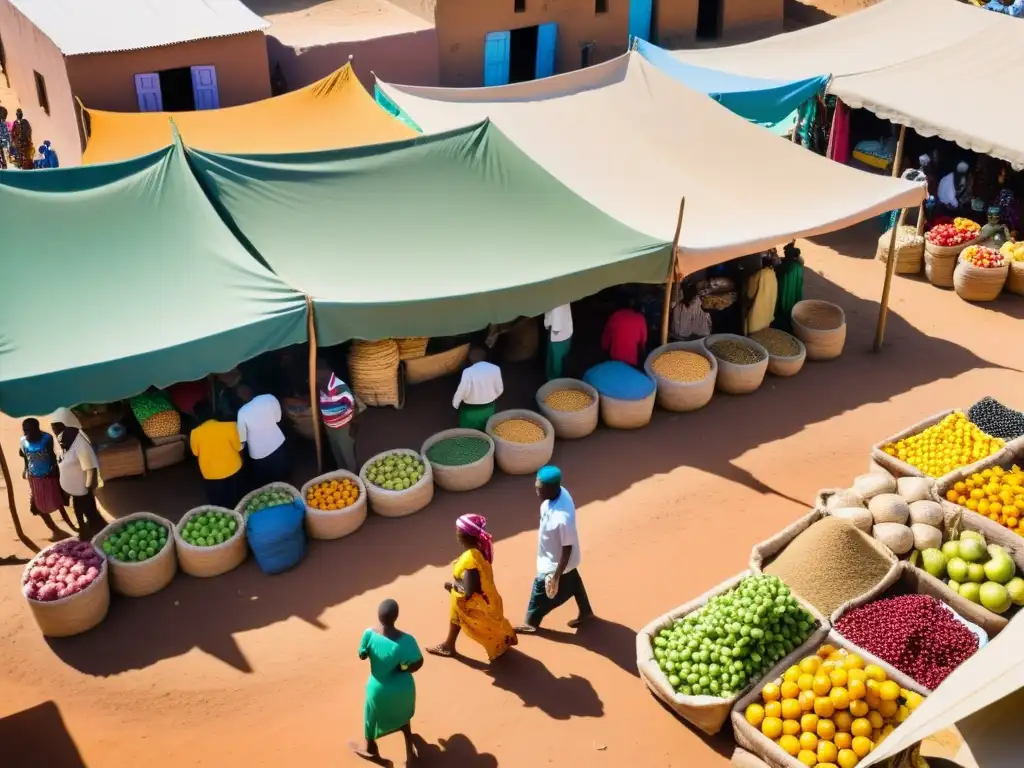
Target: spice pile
(915, 633)
(458, 451)
(952, 443)
(995, 419)
(520, 431)
(778, 343)
(569, 400)
(736, 352)
(680, 365)
(830, 563)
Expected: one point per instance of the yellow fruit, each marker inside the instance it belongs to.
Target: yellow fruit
(875, 672)
(859, 708)
(791, 709)
(886, 731)
(875, 719)
(888, 709)
(805, 681)
(791, 675)
(873, 699)
(810, 665)
(861, 746)
(838, 677)
(853, 661)
(826, 729)
(840, 698)
(889, 691)
(843, 721)
(790, 727)
(754, 714)
(773, 709)
(843, 740)
(856, 689)
(823, 706)
(827, 752)
(847, 758)
(913, 699)
(790, 744)
(822, 685)
(861, 727)
(771, 727)
(808, 741)
(807, 757)
(826, 650)
(807, 700)
(809, 723)
(790, 690)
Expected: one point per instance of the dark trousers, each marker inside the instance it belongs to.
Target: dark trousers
(570, 585)
(86, 513)
(271, 469)
(226, 492)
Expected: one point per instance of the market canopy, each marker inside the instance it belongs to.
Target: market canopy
(150, 285)
(331, 113)
(913, 62)
(760, 100)
(433, 236)
(634, 141)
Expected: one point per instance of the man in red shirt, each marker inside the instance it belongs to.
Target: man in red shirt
(625, 335)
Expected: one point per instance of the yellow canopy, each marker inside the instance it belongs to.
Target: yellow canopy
(332, 113)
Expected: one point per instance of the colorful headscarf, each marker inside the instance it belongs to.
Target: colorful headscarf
(476, 526)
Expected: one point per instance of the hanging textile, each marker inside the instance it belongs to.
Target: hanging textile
(839, 138)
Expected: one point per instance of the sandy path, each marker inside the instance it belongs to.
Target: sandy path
(258, 671)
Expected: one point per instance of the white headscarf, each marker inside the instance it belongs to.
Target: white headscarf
(962, 167)
(66, 417)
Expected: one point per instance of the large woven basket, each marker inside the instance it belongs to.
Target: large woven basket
(373, 367)
(821, 343)
(75, 614)
(735, 379)
(973, 283)
(422, 369)
(940, 261)
(149, 576)
(335, 523)
(909, 250)
(786, 365)
(204, 562)
(399, 503)
(628, 414)
(412, 347)
(286, 487)
(569, 425)
(1015, 278)
(463, 477)
(682, 396)
(521, 458)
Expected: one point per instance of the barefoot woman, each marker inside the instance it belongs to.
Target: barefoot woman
(476, 607)
(390, 692)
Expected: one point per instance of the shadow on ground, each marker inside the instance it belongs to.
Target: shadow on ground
(38, 736)
(205, 614)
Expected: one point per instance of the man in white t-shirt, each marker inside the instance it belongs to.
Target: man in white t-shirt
(479, 389)
(559, 322)
(558, 555)
(259, 429)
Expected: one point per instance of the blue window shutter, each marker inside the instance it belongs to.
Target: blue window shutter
(640, 19)
(547, 36)
(496, 55)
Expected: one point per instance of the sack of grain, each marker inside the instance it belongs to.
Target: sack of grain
(737, 378)
(909, 250)
(896, 536)
(889, 508)
(874, 483)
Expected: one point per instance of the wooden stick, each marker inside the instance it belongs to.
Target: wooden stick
(666, 306)
(920, 220)
(890, 269)
(10, 495)
(897, 161)
(314, 392)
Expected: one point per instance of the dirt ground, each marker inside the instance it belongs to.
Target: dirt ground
(252, 670)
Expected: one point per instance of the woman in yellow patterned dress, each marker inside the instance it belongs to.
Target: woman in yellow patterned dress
(476, 606)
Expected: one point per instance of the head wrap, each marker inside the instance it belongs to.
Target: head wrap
(962, 167)
(66, 417)
(476, 527)
(550, 475)
(924, 160)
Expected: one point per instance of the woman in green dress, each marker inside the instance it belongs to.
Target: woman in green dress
(390, 692)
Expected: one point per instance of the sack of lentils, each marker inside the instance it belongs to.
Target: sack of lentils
(786, 353)
(685, 373)
(570, 405)
(742, 362)
(828, 562)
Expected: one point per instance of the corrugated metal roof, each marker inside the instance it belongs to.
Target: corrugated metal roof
(100, 26)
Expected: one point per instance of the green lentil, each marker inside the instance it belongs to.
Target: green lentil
(778, 343)
(736, 352)
(458, 451)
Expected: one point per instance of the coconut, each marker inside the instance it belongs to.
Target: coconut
(871, 485)
(856, 516)
(898, 538)
(914, 488)
(926, 536)
(889, 508)
(926, 513)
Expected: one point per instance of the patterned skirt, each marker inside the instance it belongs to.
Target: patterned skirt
(47, 495)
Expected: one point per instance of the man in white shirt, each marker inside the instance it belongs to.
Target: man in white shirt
(478, 392)
(952, 188)
(558, 556)
(258, 428)
(559, 322)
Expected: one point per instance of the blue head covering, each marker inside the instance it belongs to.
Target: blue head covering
(550, 475)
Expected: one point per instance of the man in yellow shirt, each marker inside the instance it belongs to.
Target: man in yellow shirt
(217, 446)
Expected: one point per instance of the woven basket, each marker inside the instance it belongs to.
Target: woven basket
(682, 396)
(569, 425)
(204, 562)
(973, 283)
(464, 477)
(75, 614)
(1015, 278)
(521, 458)
(373, 367)
(149, 576)
(412, 347)
(335, 523)
(628, 414)
(399, 503)
(940, 261)
(909, 250)
(162, 425)
(736, 379)
(787, 365)
(286, 487)
(821, 343)
(430, 367)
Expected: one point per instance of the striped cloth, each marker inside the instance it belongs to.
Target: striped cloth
(337, 405)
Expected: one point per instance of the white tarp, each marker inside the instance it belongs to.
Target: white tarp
(634, 141)
(913, 62)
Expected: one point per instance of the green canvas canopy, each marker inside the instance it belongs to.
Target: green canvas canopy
(120, 276)
(432, 236)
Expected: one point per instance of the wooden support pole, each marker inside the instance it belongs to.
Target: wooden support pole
(314, 390)
(12, 505)
(897, 161)
(890, 269)
(666, 307)
(920, 220)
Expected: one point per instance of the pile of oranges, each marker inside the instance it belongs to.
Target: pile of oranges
(996, 493)
(831, 709)
(333, 494)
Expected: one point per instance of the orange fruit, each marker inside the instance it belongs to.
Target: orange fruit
(805, 681)
(857, 689)
(861, 727)
(771, 727)
(791, 675)
(808, 758)
(826, 650)
(810, 665)
(875, 718)
(790, 727)
(827, 752)
(790, 690)
(791, 709)
(822, 685)
(823, 706)
(809, 723)
(773, 709)
(843, 721)
(875, 672)
(853, 661)
(861, 746)
(902, 713)
(889, 691)
(843, 740)
(826, 729)
(838, 677)
(807, 700)
(840, 698)
(790, 744)
(771, 692)
(754, 714)
(809, 741)
(847, 758)
(888, 709)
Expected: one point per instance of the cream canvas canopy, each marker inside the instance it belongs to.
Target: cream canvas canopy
(634, 141)
(941, 67)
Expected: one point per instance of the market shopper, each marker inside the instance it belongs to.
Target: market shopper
(558, 321)
(338, 412)
(953, 190)
(479, 389)
(558, 555)
(394, 658)
(36, 448)
(476, 606)
(259, 428)
(21, 141)
(219, 449)
(79, 471)
(625, 335)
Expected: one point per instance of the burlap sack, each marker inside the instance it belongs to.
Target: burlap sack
(956, 518)
(752, 740)
(916, 581)
(708, 713)
(973, 283)
(743, 759)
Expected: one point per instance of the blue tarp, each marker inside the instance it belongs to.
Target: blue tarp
(759, 100)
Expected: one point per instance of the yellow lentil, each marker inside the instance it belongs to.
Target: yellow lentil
(680, 365)
(778, 343)
(520, 431)
(569, 400)
(736, 352)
